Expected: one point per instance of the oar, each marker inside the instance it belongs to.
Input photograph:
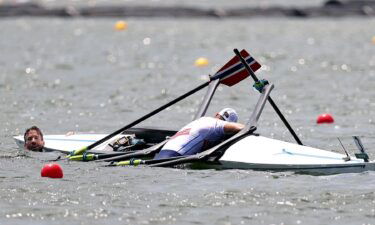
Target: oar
(230, 74)
(117, 156)
(90, 157)
(136, 162)
(218, 150)
(156, 148)
(274, 106)
(93, 145)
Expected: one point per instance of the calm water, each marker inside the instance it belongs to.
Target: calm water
(81, 75)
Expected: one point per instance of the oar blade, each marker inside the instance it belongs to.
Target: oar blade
(234, 71)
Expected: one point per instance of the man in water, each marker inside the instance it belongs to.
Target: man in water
(34, 139)
(201, 134)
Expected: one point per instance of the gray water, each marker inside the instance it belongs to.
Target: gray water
(196, 3)
(81, 75)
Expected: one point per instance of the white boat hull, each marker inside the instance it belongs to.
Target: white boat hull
(251, 152)
(261, 153)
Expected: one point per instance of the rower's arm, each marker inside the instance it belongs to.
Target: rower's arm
(231, 128)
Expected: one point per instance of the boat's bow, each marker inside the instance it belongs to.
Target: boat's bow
(257, 152)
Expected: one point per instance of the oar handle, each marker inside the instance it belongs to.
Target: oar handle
(274, 106)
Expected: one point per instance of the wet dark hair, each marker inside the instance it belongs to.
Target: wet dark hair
(30, 129)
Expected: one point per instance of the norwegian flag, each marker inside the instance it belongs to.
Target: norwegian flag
(234, 71)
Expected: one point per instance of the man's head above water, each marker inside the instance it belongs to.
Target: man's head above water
(34, 139)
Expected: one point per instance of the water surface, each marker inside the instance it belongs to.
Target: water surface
(80, 75)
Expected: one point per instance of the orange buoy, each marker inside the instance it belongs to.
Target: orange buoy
(52, 170)
(325, 118)
(121, 25)
(200, 62)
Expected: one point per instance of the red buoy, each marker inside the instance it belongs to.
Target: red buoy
(52, 170)
(325, 118)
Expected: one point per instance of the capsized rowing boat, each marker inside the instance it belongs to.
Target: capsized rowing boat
(244, 150)
(247, 151)
(252, 152)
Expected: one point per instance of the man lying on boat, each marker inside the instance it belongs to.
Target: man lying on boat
(201, 134)
(34, 139)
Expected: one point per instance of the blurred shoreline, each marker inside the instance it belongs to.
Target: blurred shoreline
(330, 8)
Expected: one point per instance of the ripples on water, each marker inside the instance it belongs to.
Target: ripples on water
(90, 194)
(80, 75)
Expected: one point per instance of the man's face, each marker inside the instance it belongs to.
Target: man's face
(34, 141)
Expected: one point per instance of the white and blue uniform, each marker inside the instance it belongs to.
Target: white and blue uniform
(194, 137)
